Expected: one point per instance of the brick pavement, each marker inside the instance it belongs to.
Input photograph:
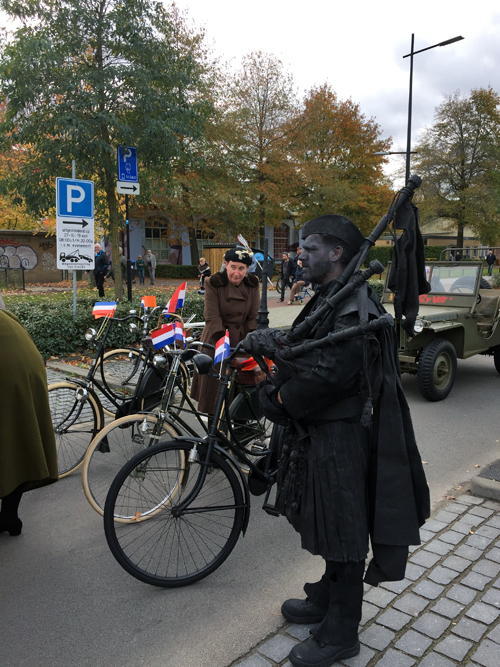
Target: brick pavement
(445, 613)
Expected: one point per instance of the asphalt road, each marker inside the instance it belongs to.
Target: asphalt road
(64, 600)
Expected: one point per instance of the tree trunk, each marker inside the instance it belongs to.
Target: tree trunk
(114, 228)
(193, 244)
(460, 235)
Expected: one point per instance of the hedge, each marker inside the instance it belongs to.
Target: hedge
(384, 253)
(186, 271)
(50, 321)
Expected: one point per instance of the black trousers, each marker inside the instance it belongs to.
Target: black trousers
(285, 282)
(99, 281)
(340, 592)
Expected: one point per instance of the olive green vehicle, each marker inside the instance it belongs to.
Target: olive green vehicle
(457, 319)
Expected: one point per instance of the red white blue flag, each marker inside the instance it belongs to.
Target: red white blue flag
(180, 333)
(222, 348)
(176, 300)
(104, 309)
(163, 336)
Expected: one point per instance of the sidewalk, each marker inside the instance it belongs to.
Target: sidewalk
(445, 612)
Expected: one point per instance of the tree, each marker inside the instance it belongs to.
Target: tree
(334, 153)
(457, 159)
(83, 76)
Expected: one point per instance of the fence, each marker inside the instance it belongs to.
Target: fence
(12, 278)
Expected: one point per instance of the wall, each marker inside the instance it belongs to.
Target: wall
(36, 253)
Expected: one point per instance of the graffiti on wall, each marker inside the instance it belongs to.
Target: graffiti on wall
(17, 257)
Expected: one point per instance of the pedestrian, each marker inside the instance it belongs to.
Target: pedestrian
(287, 273)
(231, 302)
(101, 267)
(458, 256)
(298, 282)
(349, 465)
(490, 261)
(28, 457)
(140, 265)
(151, 262)
(203, 272)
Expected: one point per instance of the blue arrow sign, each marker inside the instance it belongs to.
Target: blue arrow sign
(127, 164)
(74, 198)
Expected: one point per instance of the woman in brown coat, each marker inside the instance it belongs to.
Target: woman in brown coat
(28, 457)
(231, 302)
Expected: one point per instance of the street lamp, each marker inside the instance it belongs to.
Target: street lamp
(411, 54)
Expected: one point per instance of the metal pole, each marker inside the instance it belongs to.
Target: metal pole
(408, 139)
(73, 175)
(262, 317)
(129, 276)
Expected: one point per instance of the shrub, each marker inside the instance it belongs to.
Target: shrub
(185, 271)
(495, 281)
(377, 286)
(50, 323)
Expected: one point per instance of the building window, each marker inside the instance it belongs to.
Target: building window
(281, 240)
(156, 239)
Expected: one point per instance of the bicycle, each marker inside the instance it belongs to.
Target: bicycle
(175, 511)
(76, 409)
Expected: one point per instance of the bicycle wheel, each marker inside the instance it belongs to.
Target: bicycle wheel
(108, 452)
(171, 550)
(120, 371)
(77, 418)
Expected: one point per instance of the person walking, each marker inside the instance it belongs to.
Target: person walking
(490, 261)
(101, 267)
(287, 273)
(349, 468)
(151, 262)
(140, 265)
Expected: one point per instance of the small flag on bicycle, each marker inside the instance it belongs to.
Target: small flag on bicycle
(176, 300)
(163, 336)
(222, 348)
(148, 302)
(104, 309)
(180, 334)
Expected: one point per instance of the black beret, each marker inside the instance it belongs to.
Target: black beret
(238, 255)
(335, 225)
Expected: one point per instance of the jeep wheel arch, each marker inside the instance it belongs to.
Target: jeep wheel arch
(496, 358)
(437, 368)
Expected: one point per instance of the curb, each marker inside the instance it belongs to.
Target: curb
(66, 368)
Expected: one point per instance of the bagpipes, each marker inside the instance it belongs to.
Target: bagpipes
(295, 343)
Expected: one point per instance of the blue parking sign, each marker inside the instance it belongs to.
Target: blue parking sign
(74, 198)
(127, 164)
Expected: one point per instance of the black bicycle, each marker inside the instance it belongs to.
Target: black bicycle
(175, 511)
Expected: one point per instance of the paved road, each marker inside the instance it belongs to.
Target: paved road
(66, 602)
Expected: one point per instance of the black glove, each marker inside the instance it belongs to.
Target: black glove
(272, 408)
(265, 342)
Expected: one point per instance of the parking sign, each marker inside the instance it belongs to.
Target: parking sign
(75, 224)
(127, 164)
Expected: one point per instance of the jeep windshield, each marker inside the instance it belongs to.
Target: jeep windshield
(454, 278)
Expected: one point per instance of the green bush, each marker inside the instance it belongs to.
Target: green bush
(50, 323)
(384, 253)
(377, 286)
(186, 271)
(495, 281)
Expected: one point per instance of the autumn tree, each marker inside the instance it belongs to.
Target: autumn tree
(458, 159)
(83, 76)
(334, 154)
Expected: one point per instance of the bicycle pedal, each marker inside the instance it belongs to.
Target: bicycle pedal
(270, 509)
(258, 446)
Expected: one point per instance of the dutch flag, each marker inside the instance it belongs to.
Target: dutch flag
(164, 336)
(104, 309)
(176, 300)
(222, 348)
(180, 334)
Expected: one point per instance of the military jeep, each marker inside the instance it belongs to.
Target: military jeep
(459, 317)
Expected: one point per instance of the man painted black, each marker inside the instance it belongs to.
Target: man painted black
(352, 469)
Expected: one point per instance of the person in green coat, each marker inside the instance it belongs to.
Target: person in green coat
(28, 457)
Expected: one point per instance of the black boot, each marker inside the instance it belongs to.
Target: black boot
(9, 521)
(336, 637)
(313, 609)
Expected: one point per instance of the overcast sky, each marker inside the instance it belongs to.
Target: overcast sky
(358, 47)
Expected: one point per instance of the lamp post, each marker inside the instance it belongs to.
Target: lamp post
(410, 55)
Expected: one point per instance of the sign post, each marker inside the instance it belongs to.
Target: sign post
(128, 184)
(75, 226)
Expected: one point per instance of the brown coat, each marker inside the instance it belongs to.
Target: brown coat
(226, 307)
(27, 445)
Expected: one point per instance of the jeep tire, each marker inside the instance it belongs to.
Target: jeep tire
(496, 358)
(437, 368)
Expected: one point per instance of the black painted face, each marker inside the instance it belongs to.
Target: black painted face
(317, 259)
